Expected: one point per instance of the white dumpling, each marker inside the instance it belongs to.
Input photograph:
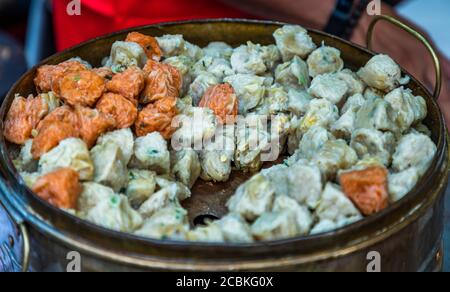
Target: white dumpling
(278, 178)
(324, 60)
(235, 229)
(336, 207)
(375, 114)
(293, 74)
(127, 54)
(151, 153)
(407, 109)
(354, 83)
(321, 112)
(186, 167)
(159, 200)
(248, 59)
(253, 198)
(373, 143)
(305, 183)
(275, 225)
(72, 153)
(110, 165)
(303, 216)
(298, 101)
(172, 45)
(197, 124)
(276, 100)
(401, 183)
(249, 89)
(346, 124)
(381, 72)
(280, 129)
(218, 50)
(192, 51)
(251, 140)
(324, 226)
(218, 67)
(329, 87)
(216, 166)
(179, 190)
(221, 68)
(312, 141)
(123, 138)
(217, 157)
(271, 56)
(102, 206)
(200, 85)
(354, 102)
(167, 223)
(141, 185)
(414, 150)
(293, 40)
(334, 155)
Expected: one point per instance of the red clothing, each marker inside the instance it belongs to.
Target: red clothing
(99, 17)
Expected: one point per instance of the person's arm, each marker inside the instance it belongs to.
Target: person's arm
(310, 13)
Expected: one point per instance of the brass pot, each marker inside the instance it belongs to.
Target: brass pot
(407, 236)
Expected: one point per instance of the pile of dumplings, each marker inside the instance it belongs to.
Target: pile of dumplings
(353, 142)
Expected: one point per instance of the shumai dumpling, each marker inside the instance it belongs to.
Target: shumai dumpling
(401, 183)
(275, 225)
(102, 206)
(110, 165)
(125, 55)
(293, 74)
(373, 143)
(249, 89)
(382, 73)
(72, 153)
(249, 59)
(414, 150)
(325, 60)
(329, 87)
(218, 50)
(217, 156)
(170, 222)
(336, 207)
(186, 166)
(303, 216)
(253, 198)
(141, 185)
(235, 229)
(408, 109)
(151, 153)
(293, 40)
(123, 138)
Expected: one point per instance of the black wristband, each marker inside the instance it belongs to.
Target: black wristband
(345, 17)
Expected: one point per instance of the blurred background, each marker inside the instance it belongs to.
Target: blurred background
(31, 30)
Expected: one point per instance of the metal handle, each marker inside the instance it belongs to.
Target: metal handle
(21, 224)
(417, 35)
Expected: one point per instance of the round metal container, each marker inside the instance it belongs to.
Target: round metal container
(405, 237)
